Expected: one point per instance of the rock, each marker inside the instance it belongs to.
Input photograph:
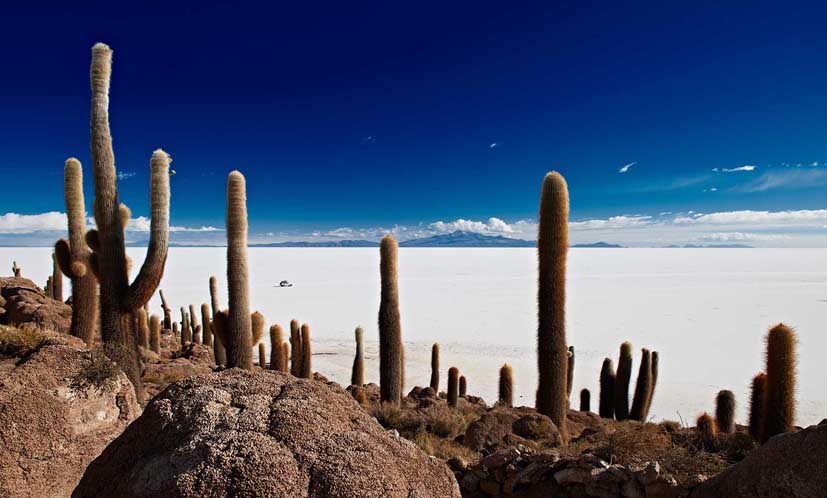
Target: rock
(470, 482)
(457, 464)
(427, 392)
(490, 487)
(537, 427)
(791, 465)
(507, 427)
(239, 433)
(50, 428)
(499, 458)
(27, 303)
(573, 475)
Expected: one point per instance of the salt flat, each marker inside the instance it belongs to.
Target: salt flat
(704, 310)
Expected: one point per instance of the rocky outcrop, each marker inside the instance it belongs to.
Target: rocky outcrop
(160, 371)
(261, 434)
(27, 303)
(52, 421)
(511, 472)
(790, 465)
(507, 427)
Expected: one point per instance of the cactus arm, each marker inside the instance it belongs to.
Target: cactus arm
(63, 256)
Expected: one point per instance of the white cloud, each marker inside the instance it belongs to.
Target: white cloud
(613, 222)
(747, 167)
(142, 224)
(741, 237)
(785, 179)
(492, 226)
(124, 175)
(625, 168)
(493, 145)
(28, 223)
(762, 219)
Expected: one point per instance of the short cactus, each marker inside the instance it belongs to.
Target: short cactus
(622, 378)
(196, 338)
(143, 329)
(607, 389)
(276, 343)
(155, 334)
(655, 360)
(707, 431)
(57, 280)
(435, 367)
(725, 412)
(390, 328)
(167, 311)
(307, 353)
(175, 330)
(219, 352)
(453, 386)
(186, 331)
(357, 374)
(506, 391)
(295, 349)
(206, 330)
(552, 248)
(463, 386)
(15, 269)
(756, 404)
(285, 357)
(642, 387)
(262, 356)
(585, 400)
(570, 373)
(779, 395)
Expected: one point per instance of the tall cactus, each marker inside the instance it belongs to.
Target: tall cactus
(155, 334)
(655, 361)
(453, 386)
(357, 375)
(779, 395)
(73, 256)
(756, 404)
(390, 328)
(295, 349)
(585, 400)
(725, 411)
(435, 367)
(143, 329)
(239, 326)
(607, 389)
(276, 344)
(206, 330)
(624, 375)
(506, 387)
(196, 338)
(307, 353)
(552, 248)
(57, 280)
(219, 352)
(642, 387)
(118, 299)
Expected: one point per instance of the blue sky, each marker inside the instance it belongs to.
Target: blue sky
(353, 119)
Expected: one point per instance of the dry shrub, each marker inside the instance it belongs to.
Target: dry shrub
(445, 421)
(99, 375)
(443, 448)
(387, 414)
(20, 341)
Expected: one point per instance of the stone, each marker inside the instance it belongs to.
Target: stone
(27, 303)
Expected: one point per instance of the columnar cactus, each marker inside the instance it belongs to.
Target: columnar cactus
(196, 338)
(285, 357)
(167, 311)
(73, 256)
(607, 389)
(257, 326)
(155, 334)
(307, 352)
(196, 334)
(57, 280)
(118, 299)
(463, 386)
(15, 269)
(756, 404)
(435, 367)
(779, 397)
(357, 375)
(506, 391)
(239, 327)
(624, 375)
(453, 386)
(707, 431)
(262, 356)
(295, 349)
(219, 352)
(276, 345)
(655, 359)
(175, 330)
(390, 328)
(552, 248)
(725, 412)
(570, 373)
(585, 400)
(186, 331)
(642, 387)
(143, 329)
(206, 330)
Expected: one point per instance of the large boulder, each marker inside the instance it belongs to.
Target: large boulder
(261, 434)
(790, 465)
(505, 427)
(54, 419)
(27, 303)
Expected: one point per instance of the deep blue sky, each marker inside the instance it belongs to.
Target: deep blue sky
(377, 113)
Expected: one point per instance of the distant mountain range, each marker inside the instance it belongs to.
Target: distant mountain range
(328, 243)
(712, 246)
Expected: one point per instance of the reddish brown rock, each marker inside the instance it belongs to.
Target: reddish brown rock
(27, 303)
(51, 429)
(790, 465)
(261, 434)
(502, 427)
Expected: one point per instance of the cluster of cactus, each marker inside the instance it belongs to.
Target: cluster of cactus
(221, 330)
(278, 350)
(614, 385)
(391, 362)
(552, 352)
(772, 401)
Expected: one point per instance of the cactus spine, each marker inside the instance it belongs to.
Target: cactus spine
(357, 375)
(219, 352)
(57, 280)
(624, 375)
(435, 367)
(143, 329)
(756, 404)
(585, 400)
(463, 386)
(506, 391)
(707, 430)
(453, 386)
(725, 412)
(155, 334)
(779, 395)
(73, 256)
(607, 389)
(239, 326)
(552, 247)
(390, 328)
(118, 299)
(307, 353)
(295, 349)
(642, 387)
(206, 330)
